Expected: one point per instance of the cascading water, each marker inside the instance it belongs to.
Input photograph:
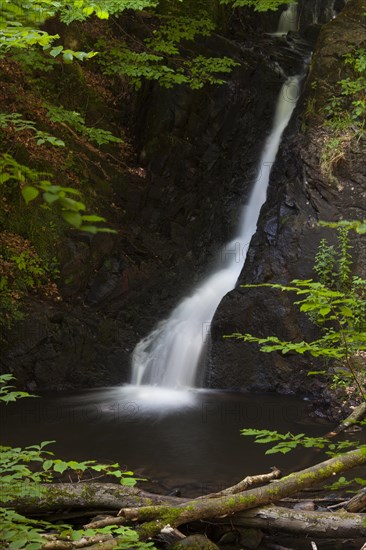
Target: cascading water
(323, 11)
(169, 356)
(288, 20)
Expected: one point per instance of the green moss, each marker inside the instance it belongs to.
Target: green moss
(151, 528)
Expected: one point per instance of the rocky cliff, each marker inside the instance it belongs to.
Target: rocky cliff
(304, 189)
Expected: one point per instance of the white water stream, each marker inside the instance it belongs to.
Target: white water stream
(169, 356)
(288, 20)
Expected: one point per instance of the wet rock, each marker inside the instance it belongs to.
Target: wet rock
(194, 542)
(251, 538)
(300, 194)
(229, 538)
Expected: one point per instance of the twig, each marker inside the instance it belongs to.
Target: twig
(245, 483)
(109, 520)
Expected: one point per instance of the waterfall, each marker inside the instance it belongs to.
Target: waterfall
(288, 20)
(324, 11)
(169, 356)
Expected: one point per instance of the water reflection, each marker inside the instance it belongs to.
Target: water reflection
(186, 439)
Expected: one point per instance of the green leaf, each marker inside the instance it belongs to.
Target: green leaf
(47, 464)
(98, 467)
(60, 466)
(129, 482)
(93, 218)
(89, 228)
(346, 311)
(18, 544)
(360, 481)
(67, 56)
(71, 204)
(80, 55)
(73, 218)
(46, 443)
(268, 439)
(276, 450)
(29, 193)
(88, 11)
(76, 465)
(50, 197)
(102, 14)
(4, 177)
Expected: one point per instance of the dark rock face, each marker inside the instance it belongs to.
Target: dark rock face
(201, 148)
(300, 194)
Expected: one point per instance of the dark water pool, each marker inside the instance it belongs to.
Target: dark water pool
(187, 440)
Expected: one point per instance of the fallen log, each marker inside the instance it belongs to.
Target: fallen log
(154, 518)
(316, 524)
(156, 512)
(334, 525)
(46, 497)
